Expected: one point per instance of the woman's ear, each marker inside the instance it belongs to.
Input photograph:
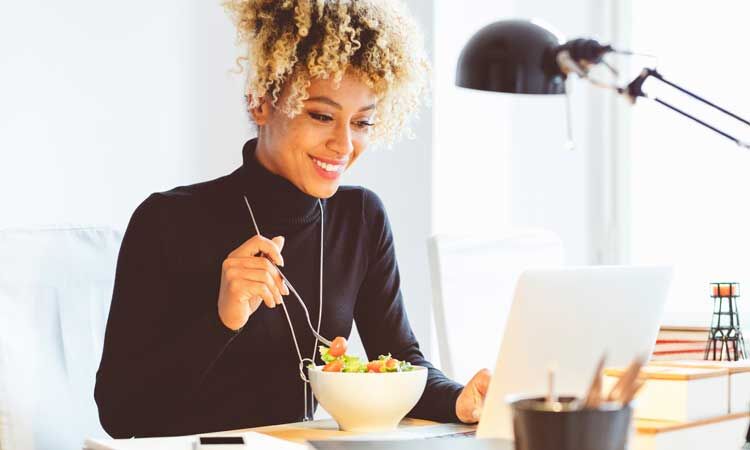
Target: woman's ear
(260, 113)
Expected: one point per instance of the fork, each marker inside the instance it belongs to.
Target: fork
(304, 308)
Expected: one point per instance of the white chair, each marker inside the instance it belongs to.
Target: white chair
(55, 291)
(473, 280)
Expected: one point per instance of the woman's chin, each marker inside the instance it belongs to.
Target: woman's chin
(323, 191)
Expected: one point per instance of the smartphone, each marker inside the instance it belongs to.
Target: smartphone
(219, 443)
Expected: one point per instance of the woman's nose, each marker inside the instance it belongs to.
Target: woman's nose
(341, 141)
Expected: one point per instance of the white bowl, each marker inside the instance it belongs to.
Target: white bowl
(365, 402)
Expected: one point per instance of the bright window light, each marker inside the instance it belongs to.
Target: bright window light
(689, 187)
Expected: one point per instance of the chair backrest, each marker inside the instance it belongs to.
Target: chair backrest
(55, 292)
(473, 280)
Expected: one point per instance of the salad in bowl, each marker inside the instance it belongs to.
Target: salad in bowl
(365, 396)
(337, 360)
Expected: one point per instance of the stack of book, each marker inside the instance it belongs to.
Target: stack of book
(680, 343)
(738, 377)
(720, 433)
(690, 404)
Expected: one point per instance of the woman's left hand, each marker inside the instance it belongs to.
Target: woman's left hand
(471, 400)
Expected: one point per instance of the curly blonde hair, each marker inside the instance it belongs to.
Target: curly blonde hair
(294, 41)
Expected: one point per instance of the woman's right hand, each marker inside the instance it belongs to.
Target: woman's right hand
(248, 279)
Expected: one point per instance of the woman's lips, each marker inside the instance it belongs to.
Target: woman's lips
(327, 168)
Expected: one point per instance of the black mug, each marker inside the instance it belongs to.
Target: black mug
(562, 425)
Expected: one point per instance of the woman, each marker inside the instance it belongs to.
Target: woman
(196, 340)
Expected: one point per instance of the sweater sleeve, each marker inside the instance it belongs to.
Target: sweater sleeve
(154, 355)
(381, 317)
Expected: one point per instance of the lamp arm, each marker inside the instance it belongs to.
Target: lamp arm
(634, 90)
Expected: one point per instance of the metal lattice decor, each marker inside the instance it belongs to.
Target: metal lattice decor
(725, 336)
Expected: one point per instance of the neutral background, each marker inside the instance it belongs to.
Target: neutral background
(106, 102)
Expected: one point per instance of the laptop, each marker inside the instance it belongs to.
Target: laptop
(562, 317)
(567, 318)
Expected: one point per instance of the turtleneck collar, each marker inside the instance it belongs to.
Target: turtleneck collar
(274, 199)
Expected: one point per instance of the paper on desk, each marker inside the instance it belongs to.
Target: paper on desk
(252, 440)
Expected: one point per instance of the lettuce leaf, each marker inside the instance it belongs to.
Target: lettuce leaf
(405, 366)
(324, 354)
(353, 364)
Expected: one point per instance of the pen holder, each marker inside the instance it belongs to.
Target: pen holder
(562, 425)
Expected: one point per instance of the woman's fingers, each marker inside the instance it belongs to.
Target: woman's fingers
(480, 384)
(265, 278)
(247, 290)
(254, 303)
(279, 241)
(259, 244)
(259, 263)
(249, 277)
(471, 399)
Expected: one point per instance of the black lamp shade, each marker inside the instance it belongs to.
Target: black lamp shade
(513, 56)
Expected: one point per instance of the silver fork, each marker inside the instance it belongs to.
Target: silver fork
(304, 308)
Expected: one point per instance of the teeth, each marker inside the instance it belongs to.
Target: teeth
(327, 167)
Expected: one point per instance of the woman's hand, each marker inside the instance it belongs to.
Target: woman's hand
(471, 400)
(248, 280)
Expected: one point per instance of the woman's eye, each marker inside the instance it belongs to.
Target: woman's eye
(320, 117)
(361, 124)
(364, 124)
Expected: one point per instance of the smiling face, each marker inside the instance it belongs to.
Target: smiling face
(314, 148)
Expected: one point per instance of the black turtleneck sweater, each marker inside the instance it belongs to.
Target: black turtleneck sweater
(169, 365)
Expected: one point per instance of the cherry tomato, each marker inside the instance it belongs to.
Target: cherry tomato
(334, 366)
(375, 366)
(338, 347)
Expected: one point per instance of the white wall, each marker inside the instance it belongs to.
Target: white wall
(473, 129)
(683, 222)
(501, 159)
(104, 103)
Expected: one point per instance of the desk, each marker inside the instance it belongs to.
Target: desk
(296, 433)
(327, 429)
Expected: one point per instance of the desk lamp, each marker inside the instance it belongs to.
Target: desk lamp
(523, 57)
